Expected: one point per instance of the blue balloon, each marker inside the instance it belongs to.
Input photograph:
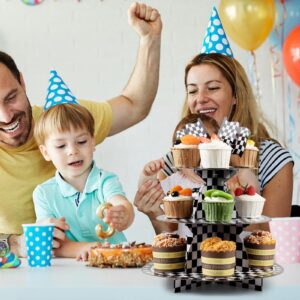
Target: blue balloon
(284, 24)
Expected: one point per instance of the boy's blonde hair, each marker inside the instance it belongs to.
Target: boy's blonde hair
(61, 118)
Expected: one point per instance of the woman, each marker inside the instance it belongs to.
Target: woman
(217, 85)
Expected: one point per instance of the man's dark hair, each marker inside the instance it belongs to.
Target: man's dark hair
(6, 60)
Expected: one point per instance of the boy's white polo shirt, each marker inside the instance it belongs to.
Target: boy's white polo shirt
(56, 198)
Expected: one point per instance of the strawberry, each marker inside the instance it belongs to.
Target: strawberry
(238, 191)
(251, 190)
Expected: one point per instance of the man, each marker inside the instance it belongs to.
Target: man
(21, 164)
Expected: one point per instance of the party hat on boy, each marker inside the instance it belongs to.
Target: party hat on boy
(58, 92)
(215, 40)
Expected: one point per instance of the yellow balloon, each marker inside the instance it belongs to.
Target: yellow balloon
(247, 22)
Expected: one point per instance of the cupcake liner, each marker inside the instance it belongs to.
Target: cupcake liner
(166, 259)
(218, 264)
(249, 208)
(215, 158)
(218, 211)
(178, 209)
(260, 256)
(186, 157)
(248, 159)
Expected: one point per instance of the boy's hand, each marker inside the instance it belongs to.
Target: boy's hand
(153, 167)
(83, 254)
(59, 230)
(117, 216)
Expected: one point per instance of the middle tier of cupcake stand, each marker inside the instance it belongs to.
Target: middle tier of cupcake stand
(200, 230)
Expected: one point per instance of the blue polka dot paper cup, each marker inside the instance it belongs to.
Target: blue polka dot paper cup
(38, 238)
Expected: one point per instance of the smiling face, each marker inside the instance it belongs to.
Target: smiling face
(208, 92)
(15, 110)
(71, 153)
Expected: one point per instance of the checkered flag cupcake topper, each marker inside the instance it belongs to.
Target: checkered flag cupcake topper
(240, 142)
(196, 129)
(235, 136)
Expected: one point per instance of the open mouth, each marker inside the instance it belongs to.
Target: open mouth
(12, 127)
(207, 111)
(76, 163)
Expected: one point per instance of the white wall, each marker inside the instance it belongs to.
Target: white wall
(93, 48)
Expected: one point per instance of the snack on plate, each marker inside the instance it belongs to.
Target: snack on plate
(260, 248)
(186, 154)
(217, 257)
(218, 206)
(248, 203)
(169, 252)
(178, 203)
(215, 154)
(249, 157)
(123, 255)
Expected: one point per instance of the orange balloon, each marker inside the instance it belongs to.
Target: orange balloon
(247, 22)
(291, 54)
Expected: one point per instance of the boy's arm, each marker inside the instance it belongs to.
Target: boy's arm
(72, 249)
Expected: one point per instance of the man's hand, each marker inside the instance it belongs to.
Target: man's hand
(59, 230)
(144, 19)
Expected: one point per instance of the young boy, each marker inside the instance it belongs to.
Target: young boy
(65, 135)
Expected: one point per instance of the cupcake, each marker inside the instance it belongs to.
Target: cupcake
(218, 206)
(248, 203)
(178, 203)
(186, 154)
(260, 248)
(249, 157)
(215, 154)
(169, 253)
(217, 257)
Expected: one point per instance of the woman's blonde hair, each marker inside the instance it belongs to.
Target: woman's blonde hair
(60, 118)
(245, 111)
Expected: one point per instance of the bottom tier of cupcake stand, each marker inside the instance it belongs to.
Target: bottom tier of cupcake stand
(244, 276)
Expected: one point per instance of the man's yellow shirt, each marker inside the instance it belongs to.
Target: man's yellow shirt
(23, 168)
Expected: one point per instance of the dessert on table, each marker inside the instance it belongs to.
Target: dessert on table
(169, 252)
(248, 203)
(106, 255)
(178, 203)
(248, 158)
(218, 206)
(217, 257)
(260, 248)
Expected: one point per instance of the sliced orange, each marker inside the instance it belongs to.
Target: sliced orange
(190, 140)
(175, 188)
(185, 192)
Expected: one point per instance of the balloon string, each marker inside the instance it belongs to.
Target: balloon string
(255, 81)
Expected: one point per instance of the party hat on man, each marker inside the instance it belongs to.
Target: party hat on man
(215, 40)
(58, 92)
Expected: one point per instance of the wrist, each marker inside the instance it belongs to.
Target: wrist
(152, 215)
(15, 243)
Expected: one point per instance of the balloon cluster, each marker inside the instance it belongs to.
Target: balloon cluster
(250, 22)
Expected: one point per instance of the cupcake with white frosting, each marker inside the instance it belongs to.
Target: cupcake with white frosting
(215, 154)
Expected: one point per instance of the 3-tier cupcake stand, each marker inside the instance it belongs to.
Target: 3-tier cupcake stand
(244, 276)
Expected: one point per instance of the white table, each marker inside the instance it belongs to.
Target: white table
(68, 279)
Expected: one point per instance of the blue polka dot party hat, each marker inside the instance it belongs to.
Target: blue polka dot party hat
(58, 92)
(215, 40)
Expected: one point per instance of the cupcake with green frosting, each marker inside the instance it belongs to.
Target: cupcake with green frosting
(218, 206)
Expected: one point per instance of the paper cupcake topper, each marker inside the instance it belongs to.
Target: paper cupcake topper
(215, 40)
(58, 92)
(235, 136)
(196, 129)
